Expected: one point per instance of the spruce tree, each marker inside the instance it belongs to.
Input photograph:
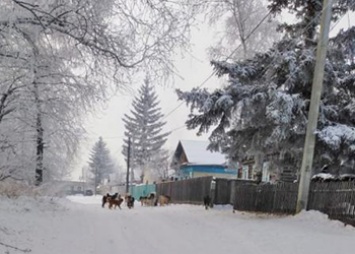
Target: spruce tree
(144, 127)
(100, 162)
(264, 107)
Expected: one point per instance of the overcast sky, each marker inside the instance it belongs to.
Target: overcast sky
(194, 70)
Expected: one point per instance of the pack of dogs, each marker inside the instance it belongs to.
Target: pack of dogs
(116, 200)
(153, 200)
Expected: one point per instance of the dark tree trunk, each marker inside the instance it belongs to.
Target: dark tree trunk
(39, 141)
(40, 148)
(39, 127)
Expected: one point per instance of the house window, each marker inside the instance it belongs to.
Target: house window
(240, 173)
(245, 172)
(266, 171)
(250, 171)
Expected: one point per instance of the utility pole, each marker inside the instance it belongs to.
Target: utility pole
(308, 151)
(95, 181)
(128, 160)
(132, 164)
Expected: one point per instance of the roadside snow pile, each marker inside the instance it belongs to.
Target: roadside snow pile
(312, 216)
(24, 204)
(320, 220)
(25, 218)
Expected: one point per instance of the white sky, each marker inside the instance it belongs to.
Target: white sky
(194, 69)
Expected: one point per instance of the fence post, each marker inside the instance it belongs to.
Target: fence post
(212, 191)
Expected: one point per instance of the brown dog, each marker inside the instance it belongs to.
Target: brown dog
(104, 198)
(164, 200)
(114, 203)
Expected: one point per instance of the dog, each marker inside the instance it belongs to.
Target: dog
(129, 201)
(152, 201)
(207, 201)
(164, 200)
(114, 202)
(143, 200)
(149, 200)
(104, 198)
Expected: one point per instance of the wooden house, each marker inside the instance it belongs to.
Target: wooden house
(192, 159)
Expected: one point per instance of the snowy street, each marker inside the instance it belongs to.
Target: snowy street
(82, 227)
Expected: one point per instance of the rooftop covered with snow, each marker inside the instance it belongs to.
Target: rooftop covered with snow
(195, 152)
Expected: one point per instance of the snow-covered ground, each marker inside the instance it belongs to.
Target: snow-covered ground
(78, 225)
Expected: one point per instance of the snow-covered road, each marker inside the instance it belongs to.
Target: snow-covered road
(83, 227)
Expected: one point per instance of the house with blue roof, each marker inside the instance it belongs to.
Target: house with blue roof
(192, 159)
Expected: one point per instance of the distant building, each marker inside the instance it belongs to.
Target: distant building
(192, 159)
(71, 187)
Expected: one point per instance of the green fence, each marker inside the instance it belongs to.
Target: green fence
(138, 191)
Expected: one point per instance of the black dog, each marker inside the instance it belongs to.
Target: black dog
(206, 201)
(104, 198)
(130, 201)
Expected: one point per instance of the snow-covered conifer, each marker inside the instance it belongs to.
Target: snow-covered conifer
(144, 125)
(264, 107)
(100, 163)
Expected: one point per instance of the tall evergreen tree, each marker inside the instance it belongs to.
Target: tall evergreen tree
(144, 127)
(264, 107)
(100, 163)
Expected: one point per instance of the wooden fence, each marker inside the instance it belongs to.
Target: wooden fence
(225, 190)
(268, 198)
(190, 191)
(337, 199)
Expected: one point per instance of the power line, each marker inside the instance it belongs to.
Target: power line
(180, 104)
(302, 31)
(177, 128)
(228, 57)
(272, 62)
(237, 48)
(331, 29)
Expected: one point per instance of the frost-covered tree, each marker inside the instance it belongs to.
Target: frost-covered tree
(100, 163)
(160, 162)
(57, 58)
(240, 18)
(144, 127)
(264, 107)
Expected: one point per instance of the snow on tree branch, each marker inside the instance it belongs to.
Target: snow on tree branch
(334, 135)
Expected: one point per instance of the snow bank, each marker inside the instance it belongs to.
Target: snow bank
(79, 225)
(24, 204)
